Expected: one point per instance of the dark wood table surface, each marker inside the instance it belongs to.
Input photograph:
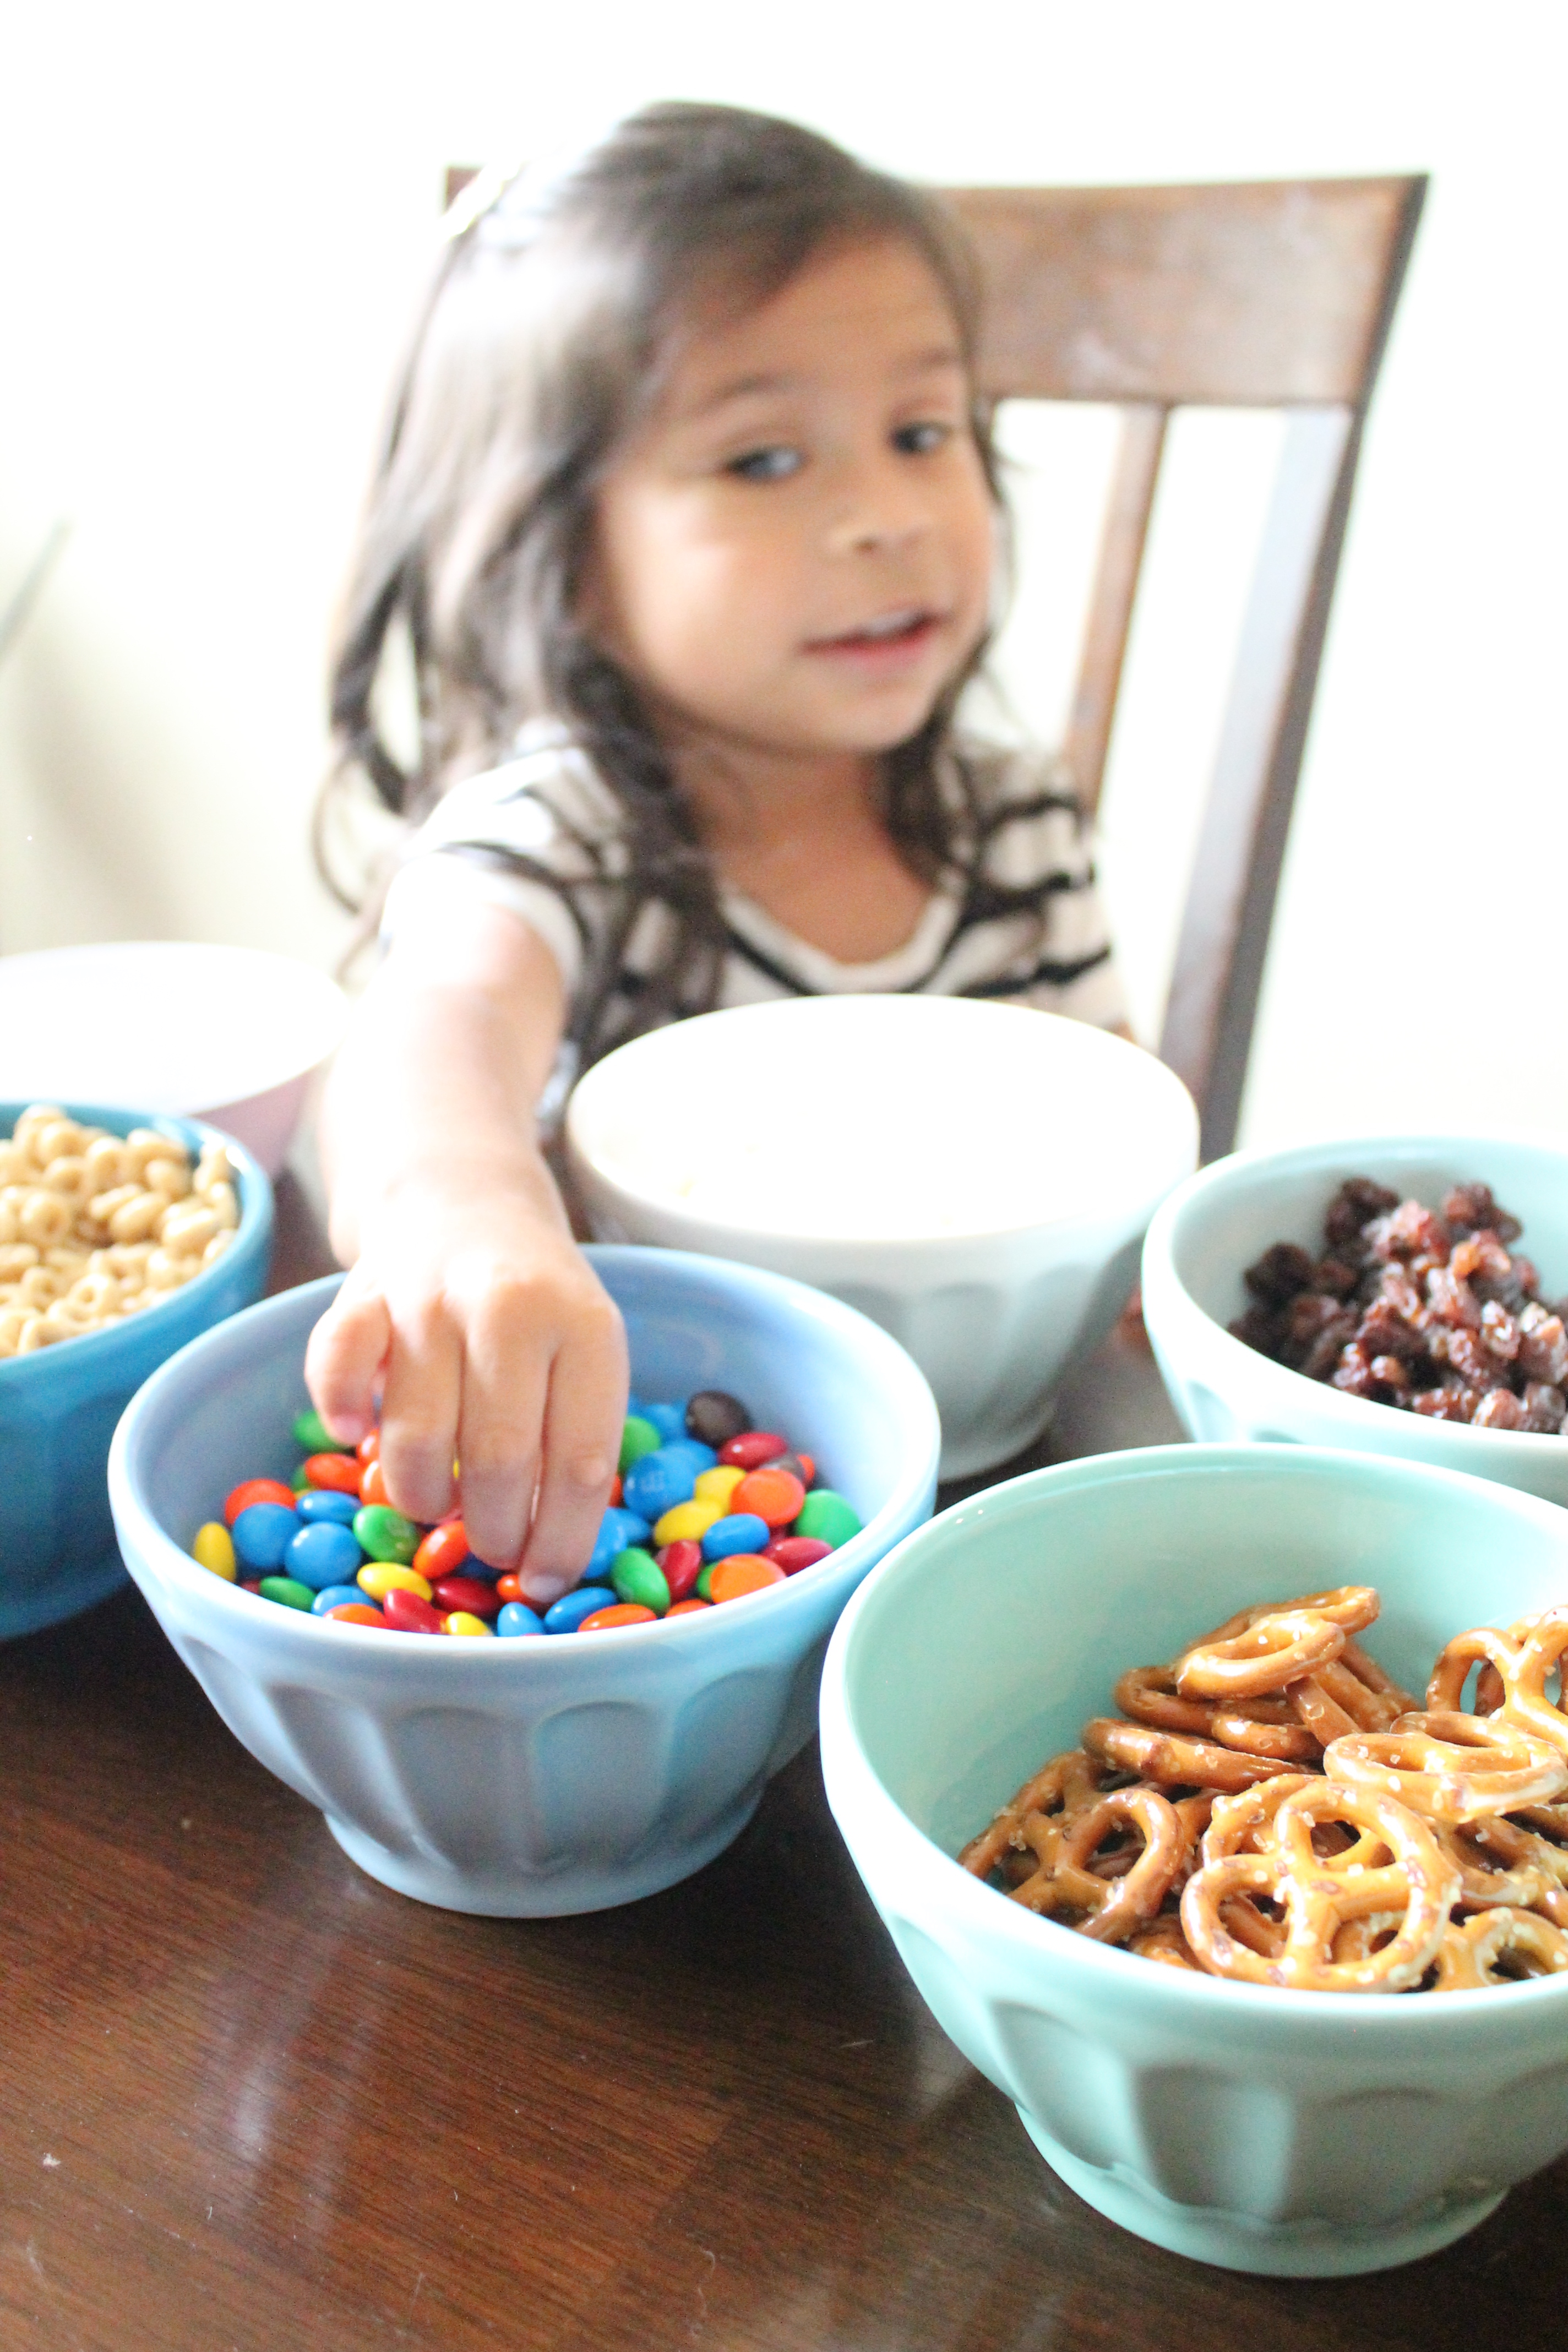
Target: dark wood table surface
(252, 2101)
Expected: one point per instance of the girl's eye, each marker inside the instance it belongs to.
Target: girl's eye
(918, 440)
(771, 465)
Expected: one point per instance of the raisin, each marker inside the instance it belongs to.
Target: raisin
(1354, 1372)
(1409, 1231)
(1445, 1404)
(1545, 1407)
(1335, 1277)
(1390, 1373)
(1280, 1273)
(1382, 1332)
(1543, 1347)
(1499, 1409)
(1261, 1328)
(1324, 1353)
(1499, 1331)
(1357, 1200)
(1452, 1300)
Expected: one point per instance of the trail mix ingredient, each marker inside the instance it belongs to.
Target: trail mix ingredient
(1411, 1306)
(1270, 1807)
(95, 1227)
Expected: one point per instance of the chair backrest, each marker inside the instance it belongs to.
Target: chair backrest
(1279, 296)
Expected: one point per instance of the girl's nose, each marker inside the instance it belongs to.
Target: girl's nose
(880, 509)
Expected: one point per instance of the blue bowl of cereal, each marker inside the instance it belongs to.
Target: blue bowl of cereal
(123, 1236)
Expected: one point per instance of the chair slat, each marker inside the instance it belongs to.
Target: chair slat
(1110, 618)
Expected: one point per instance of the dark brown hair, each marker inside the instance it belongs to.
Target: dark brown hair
(539, 349)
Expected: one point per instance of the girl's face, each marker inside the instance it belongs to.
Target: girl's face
(793, 553)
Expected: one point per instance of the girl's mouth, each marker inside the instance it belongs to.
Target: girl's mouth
(888, 642)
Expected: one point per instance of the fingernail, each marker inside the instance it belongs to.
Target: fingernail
(541, 1589)
(348, 1428)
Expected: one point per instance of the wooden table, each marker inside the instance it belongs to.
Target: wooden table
(251, 2099)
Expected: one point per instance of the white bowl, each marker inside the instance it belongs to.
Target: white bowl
(1293, 2133)
(975, 1177)
(1216, 1225)
(231, 1036)
(565, 1773)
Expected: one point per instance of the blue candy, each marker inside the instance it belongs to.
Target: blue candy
(262, 1534)
(518, 1618)
(741, 1531)
(659, 1480)
(617, 1529)
(323, 1553)
(565, 1616)
(333, 1596)
(669, 1420)
(326, 1503)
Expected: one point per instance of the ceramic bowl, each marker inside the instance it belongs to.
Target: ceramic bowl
(1222, 1219)
(229, 1034)
(1293, 2133)
(59, 1405)
(975, 1177)
(562, 1773)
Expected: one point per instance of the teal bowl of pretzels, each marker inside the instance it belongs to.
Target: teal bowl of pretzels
(1216, 1800)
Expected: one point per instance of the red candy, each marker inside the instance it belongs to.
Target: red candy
(682, 1564)
(753, 1448)
(406, 1614)
(338, 1473)
(258, 1490)
(452, 1592)
(442, 1552)
(795, 1552)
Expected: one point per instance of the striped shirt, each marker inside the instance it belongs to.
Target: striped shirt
(1019, 917)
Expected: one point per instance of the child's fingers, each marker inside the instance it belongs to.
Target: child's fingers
(343, 1360)
(419, 1410)
(584, 1416)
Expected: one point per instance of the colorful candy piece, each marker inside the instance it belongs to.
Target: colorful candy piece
(617, 1529)
(661, 1479)
(336, 1596)
(669, 1420)
(443, 1551)
(718, 1485)
(517, 1618)
(688, 1608)
(795, 1552)
(405, 1613)
(214, 1548)
(372, 1483)
(326, 1503)
(619, 1612)
(680, 1565)
(741, 1531)
(638, 1436)
(714, 1417)
(385, 1534)
(685, 1522)
(312, 1436)
(638, 1577)
(753, 1448)
(740, 1573)
(321, 1553)
(287, 1589)
(775, 1495)
(799, 1466)
(340, 1472)
(255, 1490)
(379, 1577)
(827, 1514)
(262, 1533)
(565, 1615)
(357, 1612)
(471, 1595)
(464, 1621)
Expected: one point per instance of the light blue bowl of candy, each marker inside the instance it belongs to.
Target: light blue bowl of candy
(59, 1404)
(547, 1775)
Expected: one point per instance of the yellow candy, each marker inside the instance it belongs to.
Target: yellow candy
(687, 1522)
(462, 1621)
(379, 1577)
(214, 1548)
(718, 1485)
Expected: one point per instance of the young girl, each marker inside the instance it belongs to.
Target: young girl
(690, 515)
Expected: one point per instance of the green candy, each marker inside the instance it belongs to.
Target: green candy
(299, 1481)
(385, 1535)
(638, 1438)
(703, 1588)
(312, 1435)
(287, 1589)
(637, 1576)
(828, 1516)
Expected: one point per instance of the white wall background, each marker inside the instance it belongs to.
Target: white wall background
(213, 223)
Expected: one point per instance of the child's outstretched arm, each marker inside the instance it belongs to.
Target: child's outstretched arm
(468, 1306)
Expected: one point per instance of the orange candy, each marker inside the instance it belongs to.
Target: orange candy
(621, 1613)
(776, 1497)
(509, 1587)
(372, 1483)
(442, 1552)
(337, 1473)
(743, 1572)
(369, 1445)
(258, 1490)
(614, 1492)
(357, 1612)
(686, 1608)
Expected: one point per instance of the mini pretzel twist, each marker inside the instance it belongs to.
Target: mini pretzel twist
(1472, 1951)
(1452, 1768)
(1171, 1761)
(1263, 1656)
(1058, 1790)
(1321, 1893)
(1112, 1908)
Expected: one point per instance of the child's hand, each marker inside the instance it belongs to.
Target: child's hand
(489, 1338)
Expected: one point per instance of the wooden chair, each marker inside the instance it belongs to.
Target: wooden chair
(1278, 295)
